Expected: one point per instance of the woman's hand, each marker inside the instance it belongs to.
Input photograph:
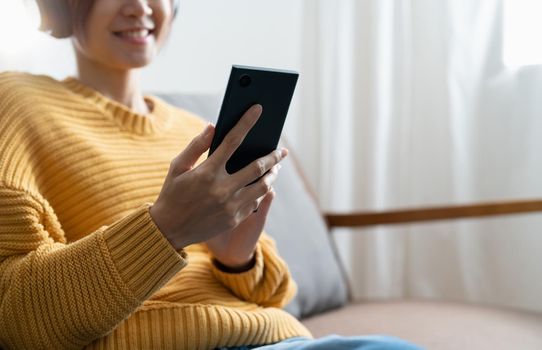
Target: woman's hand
(196, 204)
(235, 248)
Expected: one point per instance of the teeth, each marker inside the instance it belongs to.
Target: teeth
(140, 33)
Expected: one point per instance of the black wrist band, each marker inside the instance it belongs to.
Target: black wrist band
(229, 269)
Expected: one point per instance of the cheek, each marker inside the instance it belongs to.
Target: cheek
(100, 46)
(163, 34)
(96, 37)
(164, 19)
(97, 27)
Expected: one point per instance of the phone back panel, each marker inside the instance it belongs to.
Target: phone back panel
(271, 88)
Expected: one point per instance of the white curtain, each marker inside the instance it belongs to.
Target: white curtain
(406, 103)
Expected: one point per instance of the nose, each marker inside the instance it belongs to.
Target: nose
(136, 8)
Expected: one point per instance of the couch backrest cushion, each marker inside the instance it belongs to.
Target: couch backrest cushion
(297, 226)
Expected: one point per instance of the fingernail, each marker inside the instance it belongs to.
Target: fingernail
(257, 111)
(283, 152)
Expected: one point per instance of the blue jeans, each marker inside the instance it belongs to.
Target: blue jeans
(335, 342)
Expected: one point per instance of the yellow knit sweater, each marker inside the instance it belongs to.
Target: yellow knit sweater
(82, 264)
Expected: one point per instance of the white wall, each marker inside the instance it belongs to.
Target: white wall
(211, 35)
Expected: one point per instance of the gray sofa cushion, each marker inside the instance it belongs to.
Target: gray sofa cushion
(296, 224)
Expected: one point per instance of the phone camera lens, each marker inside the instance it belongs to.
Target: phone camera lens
(245, 80)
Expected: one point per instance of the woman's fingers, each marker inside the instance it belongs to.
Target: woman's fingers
(235, 137)
(252, 194)
(258, 168)
(264, 203)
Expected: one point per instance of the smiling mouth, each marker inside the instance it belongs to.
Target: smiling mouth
(134, 33)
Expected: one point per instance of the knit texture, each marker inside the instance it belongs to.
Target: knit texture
(82, 264)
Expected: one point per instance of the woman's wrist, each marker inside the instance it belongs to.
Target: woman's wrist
(235, 267)
(160, 220)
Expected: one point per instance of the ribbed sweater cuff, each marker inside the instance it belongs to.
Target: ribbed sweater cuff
(143, 256)
(242, 283)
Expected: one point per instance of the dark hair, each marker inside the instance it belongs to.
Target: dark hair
(61, 17)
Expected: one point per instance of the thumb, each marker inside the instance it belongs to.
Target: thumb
(188, 157)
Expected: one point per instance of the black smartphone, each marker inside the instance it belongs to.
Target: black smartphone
(247, 86)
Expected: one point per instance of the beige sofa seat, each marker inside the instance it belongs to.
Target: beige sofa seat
(435, 325)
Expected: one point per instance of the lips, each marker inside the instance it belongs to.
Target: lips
(135, 35)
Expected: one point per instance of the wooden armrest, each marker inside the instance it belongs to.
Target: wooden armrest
(402, 216)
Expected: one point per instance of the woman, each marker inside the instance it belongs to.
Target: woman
(100, 214)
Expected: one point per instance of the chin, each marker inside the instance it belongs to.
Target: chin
(133, 65)
(133, 62)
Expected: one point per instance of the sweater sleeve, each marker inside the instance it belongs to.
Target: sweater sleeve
(268, 283)
(55, 295)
